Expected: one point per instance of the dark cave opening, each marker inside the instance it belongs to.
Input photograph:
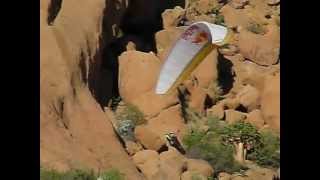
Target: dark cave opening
(139, 23)
(53, 10)
(225, 74)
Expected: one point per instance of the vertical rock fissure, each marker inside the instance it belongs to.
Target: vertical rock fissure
(138, 23)
(53, 11)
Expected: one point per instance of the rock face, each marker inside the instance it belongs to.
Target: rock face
(138, 72)
(188, 175)
(168, 165)
(270, 101)
(165, 40)
(172, 17)
(255, 117)
(239, 4)
(173, 163)
(262, 49)
(74, 132)
(152, 134)
(249, 97)
(200, 167)
(148, 162)
(216, 111)
(233, 116)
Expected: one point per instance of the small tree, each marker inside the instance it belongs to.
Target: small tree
(243, 137)
(112, 174)
(268, 154)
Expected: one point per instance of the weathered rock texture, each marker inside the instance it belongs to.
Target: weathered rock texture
(74, 132)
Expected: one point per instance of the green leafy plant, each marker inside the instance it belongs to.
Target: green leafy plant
(209, 146)
(256, 28)
(132, 113)
(243, 136)
(193, 138)
(268, 153)
(76, 174)
(215, 124)
(219, 19)
(196, 176)
(112, 174)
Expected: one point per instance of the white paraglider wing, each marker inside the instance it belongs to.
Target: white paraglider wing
(190, 49)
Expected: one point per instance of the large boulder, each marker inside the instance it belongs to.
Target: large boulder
(169, 165)
(148, 162)
(249, 97)
(165, 40)
(197, 99)
(255, 117)
(207, 72)
(200, 166)
(151, 135)
(173, 163)
(233, 116)
(172, 17)
(239, 4)
(190, 175)
(224, 176)
(262, 49)
(270, 101)
(216, 111)
(205, 6)
(138, 73)
(235, 17)
(74, 131)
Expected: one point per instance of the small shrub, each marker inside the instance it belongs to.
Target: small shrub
(193, 138)
(196, 176)
(268, 154)
(69, 175)
(256, 28)
(133, 114)
(219, 19)
(208, 146)
(112, 174)
(215, 124)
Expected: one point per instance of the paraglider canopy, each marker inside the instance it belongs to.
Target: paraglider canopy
(195, 43)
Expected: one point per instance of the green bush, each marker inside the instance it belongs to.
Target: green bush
(112, 174)
(242, 130)
(208, 146)
(268, 154)
(69, 175)
(256, 28)
(193, 138)
(77, 174)
(215, 124)
(132, 113)
(219, 19)
(196, 176)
